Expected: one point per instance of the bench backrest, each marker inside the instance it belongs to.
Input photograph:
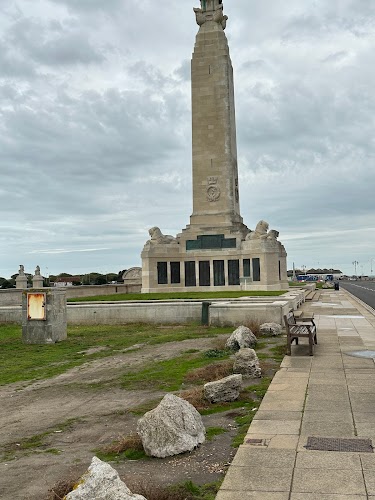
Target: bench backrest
(290, 319)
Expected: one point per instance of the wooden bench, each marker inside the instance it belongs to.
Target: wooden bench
(301, 327)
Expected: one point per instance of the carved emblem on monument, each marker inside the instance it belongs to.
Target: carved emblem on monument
(213, 190)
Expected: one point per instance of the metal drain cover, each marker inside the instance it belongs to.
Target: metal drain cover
(362, 354)
(338, 444)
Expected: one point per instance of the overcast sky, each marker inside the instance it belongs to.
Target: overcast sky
(95, 128)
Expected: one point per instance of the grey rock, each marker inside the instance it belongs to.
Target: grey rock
(226, 389)
(101, 482)
(247, 363)
(173, 427)
(271, 329)
(241, 338)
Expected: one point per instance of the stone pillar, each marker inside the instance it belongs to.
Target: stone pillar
(44, 316)
(215, 173)
(38, 279)
(21, 280)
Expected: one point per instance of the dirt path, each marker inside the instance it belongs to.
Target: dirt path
(101, 415)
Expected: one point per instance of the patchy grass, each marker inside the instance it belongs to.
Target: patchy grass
(211, 432)
(166, 375)
(175, 296)
(124, 448)
(210, 372)
(21, 362)
(183, 491)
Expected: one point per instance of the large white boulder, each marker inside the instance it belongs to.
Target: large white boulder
(247, 363)
(101, 482)
(242, 337)
(271, 329)
(173, 427)
(226, 389)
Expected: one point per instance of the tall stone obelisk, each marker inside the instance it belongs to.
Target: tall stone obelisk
(215, 173)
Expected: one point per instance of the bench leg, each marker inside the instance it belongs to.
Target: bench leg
(311, 345)
(288, 345)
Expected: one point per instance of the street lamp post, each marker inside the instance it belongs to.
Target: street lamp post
(355, 264)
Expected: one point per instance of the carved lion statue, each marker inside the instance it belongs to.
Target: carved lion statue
(158, 237)
(273, 235)
(261, 231)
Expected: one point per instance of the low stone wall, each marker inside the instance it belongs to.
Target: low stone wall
(11, 314)
(221, 311)
(229, 313)
(115, 313)
(11, 297)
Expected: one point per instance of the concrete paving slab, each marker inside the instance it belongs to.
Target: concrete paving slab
(365, 429)
(274, 441)
(330, 460)
(327, 429)
(280, 396)
(343, 482)
(252, 495)
(368, 461)
(370, 481)
(367, 387)
(282, 405)
(258, 479)
(329, 393)
(264, 457)
(319, 496)
(365, 417)
(338, 417)
(362, 406)
(275, 427)
(314, 404)
(278, 415)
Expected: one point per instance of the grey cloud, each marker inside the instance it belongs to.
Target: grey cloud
(91, 5)
(52, 43)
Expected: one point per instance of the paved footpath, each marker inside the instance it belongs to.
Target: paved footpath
(332, 395)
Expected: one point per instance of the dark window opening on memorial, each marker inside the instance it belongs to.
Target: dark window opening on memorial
(175, 272)
(233, 272)
(204, 273)
(162, 273)
(190, 279)
(219, 273)
(246, 268)
(256, 269)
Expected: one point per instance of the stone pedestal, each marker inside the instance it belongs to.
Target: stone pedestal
(38, 281)
(44, 316)
(21, 281)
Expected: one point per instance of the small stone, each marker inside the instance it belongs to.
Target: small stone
(247, 363)
(226, 389)
(242, 337)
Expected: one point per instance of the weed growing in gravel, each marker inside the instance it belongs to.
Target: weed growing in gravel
(125, 447)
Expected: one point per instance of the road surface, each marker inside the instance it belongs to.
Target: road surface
(364, 290)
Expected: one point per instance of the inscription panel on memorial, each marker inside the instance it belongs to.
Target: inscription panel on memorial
(211, 242)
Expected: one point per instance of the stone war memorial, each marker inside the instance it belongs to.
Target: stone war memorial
(216, 251)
